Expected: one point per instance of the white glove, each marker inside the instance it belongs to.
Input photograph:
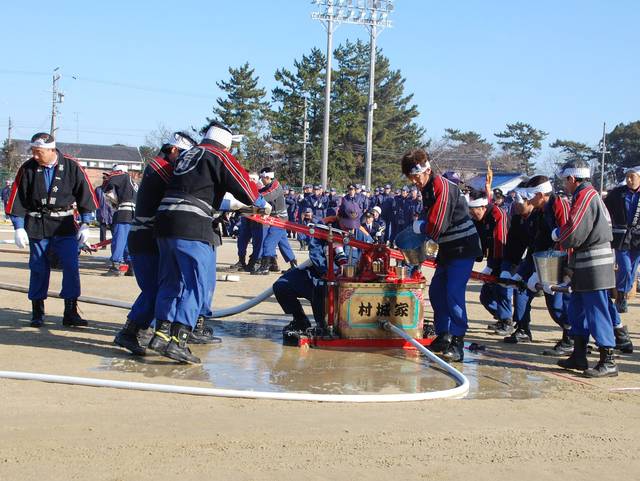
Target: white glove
(505, 275)
(21, 238)
(486, 271)
(417, 226)
(267, 209)
(516, 277)
(531, 283)
(235, 204)
(83, 234)
(555, 234)
(546, 287)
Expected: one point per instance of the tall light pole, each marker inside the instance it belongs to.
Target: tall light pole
(373, 14)
(57, 98)
(305, 142)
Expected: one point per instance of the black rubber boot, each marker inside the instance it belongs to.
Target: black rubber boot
(578, 358)
(623, 341)
(127, 337)
(621, 302)
(505, 327)
(564, 347)
(241, 265)
(273, 267)
(251, 265)
(161, 337)
(606, 366)
(177, 348)
(440, 343)
(299, 324)
(114, 270)
(129, 272)
(264, 268)
(71, 317)
(455, 351)
(37, 313)
(520, 336)
(202, 334)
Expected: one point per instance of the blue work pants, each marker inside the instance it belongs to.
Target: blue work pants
(66, 248)
(447, 296)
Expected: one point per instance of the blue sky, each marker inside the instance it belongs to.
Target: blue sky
(564, 66)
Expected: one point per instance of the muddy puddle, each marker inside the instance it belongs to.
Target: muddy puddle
(252, 357)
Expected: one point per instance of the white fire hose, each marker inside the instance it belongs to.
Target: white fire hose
(459, 391)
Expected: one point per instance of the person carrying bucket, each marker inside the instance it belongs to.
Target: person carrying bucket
(445, 219)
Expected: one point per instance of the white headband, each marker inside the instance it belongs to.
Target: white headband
(544, 188)
(480, 202)
(268, 174)
(419, 169)
(633, 170)
(220, 135)
(577, 173)
(43, 144)
(523, 194)
(179, 141)
(237, 138)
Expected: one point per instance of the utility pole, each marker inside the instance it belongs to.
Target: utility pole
(305, 142)
(56, 98)
(603, 151)
(371, 13)
(370, 108)
(9, 132)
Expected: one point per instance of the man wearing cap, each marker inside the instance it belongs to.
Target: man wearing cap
(184, 229)
(41, 208)
(303, 239)
(141, 241)
(624, 209)
(386, 204)
(445, 219)
(317, 202)
(401, 217)
(308, 283)
(274, 237)
(373, 226)
(588, 233)
(120, 190)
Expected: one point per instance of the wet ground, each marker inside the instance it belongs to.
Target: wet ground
(252, 357)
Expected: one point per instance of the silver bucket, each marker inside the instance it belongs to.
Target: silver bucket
(416, 248)
(550, 266)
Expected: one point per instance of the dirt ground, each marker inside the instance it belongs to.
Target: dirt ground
(570, 428)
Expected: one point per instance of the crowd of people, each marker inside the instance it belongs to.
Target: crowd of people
(192, 193)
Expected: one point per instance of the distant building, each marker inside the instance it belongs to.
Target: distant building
(96, 159)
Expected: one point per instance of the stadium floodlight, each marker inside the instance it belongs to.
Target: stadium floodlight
(373, 14)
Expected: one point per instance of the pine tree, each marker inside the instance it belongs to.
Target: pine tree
(524, 142)
(244, 111)
(394, 127)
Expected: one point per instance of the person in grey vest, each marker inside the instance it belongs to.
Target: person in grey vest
(591, 311)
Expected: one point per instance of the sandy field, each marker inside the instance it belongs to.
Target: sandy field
(525, 418)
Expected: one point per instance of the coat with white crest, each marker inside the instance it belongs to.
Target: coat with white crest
(50, 213)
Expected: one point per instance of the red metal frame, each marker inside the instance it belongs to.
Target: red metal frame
(361, 343)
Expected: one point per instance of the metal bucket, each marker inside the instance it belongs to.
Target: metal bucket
(414, 247)
(550, 265)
